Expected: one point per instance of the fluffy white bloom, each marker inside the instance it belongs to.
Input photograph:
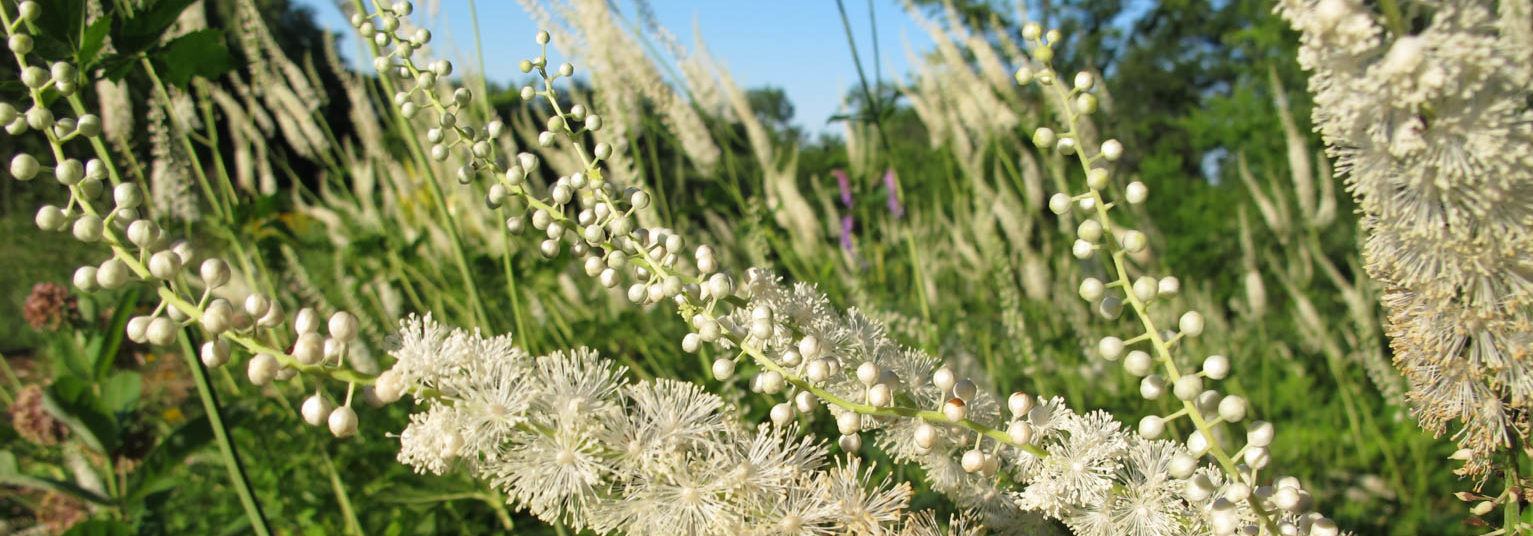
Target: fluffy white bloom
(565, 437)
(1431, 129)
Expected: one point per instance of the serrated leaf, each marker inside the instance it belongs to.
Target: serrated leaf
(199, 54)
(59, 29)
(92, 42)
(145, 28)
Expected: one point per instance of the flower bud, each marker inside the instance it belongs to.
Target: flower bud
(1112, 150)
(867, 373)
(1059, 203)
(1182, 466)
(1187, 387)
(1084, 81)
(218, 316)
(1092, 289)
(805, 402)
(1019, 404)
(309, 349)
(112, 274)
(955, 410)
(771, 382)
(782, 414)
(1216, 367)
(1020, 432)
(723, 369)
(849, 422)
(343, 421)
(1134, 241)
(1044, 137)
(88, 228)
(880, 395)
(307, 321)
(85, 279)
(1138, 363)
(850, 443)
(214, 272)
(972, 461)
(1191, 323)
(164, 264)
(1233, 408)
(1089, 230)
(343, 326)
(20, 43)
(316, 409)
(1259, 434)
(1152, 387)
(262, 369)
(215, 353)
(1151, 426)
(1136, 192)
(161, 331)
(24, 166)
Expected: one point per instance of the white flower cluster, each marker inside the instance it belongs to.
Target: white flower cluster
(567, 437)
(1428, 117)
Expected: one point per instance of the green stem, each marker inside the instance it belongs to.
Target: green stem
(1392, 17)
(522, 333)
(226, 447)
(874, 106)
(352, 525)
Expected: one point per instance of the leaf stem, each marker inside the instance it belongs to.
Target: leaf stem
(226, 447)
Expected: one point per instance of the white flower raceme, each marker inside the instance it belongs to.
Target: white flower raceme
(568, 438)
(1431, 129)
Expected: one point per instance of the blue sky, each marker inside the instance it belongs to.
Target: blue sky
(798, 45)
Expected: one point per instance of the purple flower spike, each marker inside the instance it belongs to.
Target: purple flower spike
(846, 232)
(845, 185)
(895, 208)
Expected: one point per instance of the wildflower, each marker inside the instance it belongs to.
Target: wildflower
(49, 307)
(891, 184)
(32, 421)
(1443, 200)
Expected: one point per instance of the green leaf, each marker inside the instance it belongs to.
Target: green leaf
(11, 475)
(115, 67)
(196, 54)
(71, 401)
(150, 477)
(145, 28)
(68, 357)
(107, 352)
(119, 394)
(59, 29)
(101, 527)
(93, 42)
